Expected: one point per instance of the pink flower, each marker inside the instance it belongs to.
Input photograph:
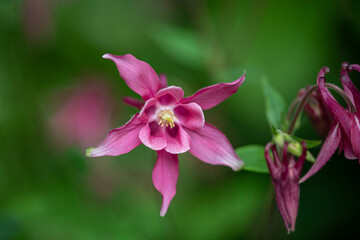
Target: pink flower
(168, 124)
(285, 173)
(88, 106)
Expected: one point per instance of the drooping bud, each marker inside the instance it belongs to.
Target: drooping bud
(285, 173)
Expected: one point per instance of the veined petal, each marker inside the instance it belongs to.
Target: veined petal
(211, 146)
(169, 95)
(301, 160)
(211, 96)
(178, 141)
(147, 113)
(291, 194)
(328, 149)
(136, 103)
(322, 73)
(281, 203)
(163, 80)
(119, 141)
(355, 136)
(138, 75)
(345, 145)
(190, 115)
(165, 176)
(355, 67)
(335, 109)
(271, 164)
(153, 136)
(349, 87)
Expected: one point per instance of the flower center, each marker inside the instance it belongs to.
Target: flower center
(167, 118)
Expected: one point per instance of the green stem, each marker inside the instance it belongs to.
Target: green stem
(292, 108)
(300, 107)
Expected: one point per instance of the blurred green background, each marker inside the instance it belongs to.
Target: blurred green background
(50, 52)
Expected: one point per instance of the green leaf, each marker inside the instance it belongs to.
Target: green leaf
(180, 44)
(309, 143)
(253, 157)
(310, 157)
(275, 104)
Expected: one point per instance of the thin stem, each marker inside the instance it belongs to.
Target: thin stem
(309, 92)
(343, 94)
(292, 108)
(300, 107)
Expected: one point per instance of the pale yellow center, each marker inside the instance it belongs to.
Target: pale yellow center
(166, 118)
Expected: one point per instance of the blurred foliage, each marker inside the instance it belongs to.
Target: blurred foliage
(253, 157)
(48, 191)
(275, 106)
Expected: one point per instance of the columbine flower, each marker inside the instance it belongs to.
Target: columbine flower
(169, 124)
(285, 174)
(345, 130)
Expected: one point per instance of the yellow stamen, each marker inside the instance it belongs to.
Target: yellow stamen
(166, 118)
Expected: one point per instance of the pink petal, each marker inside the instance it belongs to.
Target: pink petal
(211, 146)
(345, 144)
(301, 160)
(163, 81)
(355, 67)
(348, 86)
(327, 150)
(152, 135)
(276, 156)
(147, 113)
(119, 141)
(291, 193)
(165, 176)
(211, 96)
(138, 75)
(134, 102)
(335, 109)
(281, 203)
(355, 136)
(169, 95)
(270, 162)
(190, 115)
(178, 141)
(322, 73)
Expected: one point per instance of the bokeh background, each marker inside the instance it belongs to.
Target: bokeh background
(58, 96)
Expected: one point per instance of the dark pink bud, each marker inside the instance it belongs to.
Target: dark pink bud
(285, 173)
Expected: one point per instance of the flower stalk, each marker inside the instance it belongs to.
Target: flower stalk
(305, 98)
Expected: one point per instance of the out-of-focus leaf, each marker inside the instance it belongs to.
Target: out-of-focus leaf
(77, 159)
(253, 157)
(180, 44)
(275, 104)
